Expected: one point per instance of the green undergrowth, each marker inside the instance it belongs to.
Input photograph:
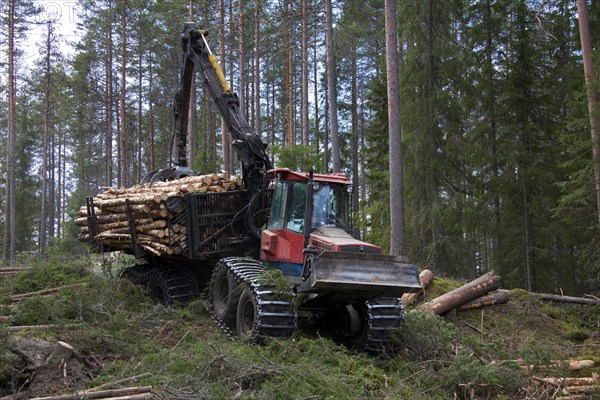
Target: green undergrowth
(120, 332)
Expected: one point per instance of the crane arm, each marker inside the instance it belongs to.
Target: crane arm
(247, 144)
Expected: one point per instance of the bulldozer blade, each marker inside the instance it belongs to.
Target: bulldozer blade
(353, 277)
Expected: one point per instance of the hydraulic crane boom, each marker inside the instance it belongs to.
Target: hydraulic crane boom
(248, 145)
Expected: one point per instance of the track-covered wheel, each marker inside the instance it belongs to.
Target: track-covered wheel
(170, 285)
(224, 295)
(375, 324)
(261, 309)
(246, 313)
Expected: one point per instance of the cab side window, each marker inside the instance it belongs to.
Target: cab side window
(296, 205)
(277, 207)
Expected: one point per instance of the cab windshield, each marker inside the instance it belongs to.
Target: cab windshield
(330, 206)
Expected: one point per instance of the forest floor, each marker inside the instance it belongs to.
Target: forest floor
(101, 329)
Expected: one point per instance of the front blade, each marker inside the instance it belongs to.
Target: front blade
(352, 277)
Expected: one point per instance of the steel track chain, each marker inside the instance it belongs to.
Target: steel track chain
(384, 318)
(276, 315)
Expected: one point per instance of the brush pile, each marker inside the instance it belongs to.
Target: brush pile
(116, 211)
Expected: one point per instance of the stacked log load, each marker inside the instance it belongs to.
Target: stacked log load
(149, 211)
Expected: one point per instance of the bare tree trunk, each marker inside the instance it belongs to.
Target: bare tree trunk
(242, 55)
(193, 111)
(224, 133)
(122, 181)
(304, 82)
(138, 167)
(61, 184)
(231, 166)
(52, 179)
(530, 278)
(151, 116)
(316, 93)
(355, 133)
(288, 79)
(9, 250)
(43, 235)
(332, 89)
(397, 246)
(592, 94)
(256, 118)
(109, 100)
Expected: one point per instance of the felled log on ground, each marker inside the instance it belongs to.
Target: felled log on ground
(567, 299)
(126, 393)
(112, 385)
(43, 328)
(572, 365)
(457, 297)
(490, 299)
(12, 271)
(45, 292)
(569, 382)
(426, 277)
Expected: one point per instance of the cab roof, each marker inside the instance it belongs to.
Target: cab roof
(286, 173)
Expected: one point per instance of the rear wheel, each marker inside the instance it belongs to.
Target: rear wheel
(224, 295)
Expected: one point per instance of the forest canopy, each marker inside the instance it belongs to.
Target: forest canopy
(497, 152)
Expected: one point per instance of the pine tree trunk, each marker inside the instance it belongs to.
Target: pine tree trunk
(288, 80)
(224, 132)
(355, 133)
(193, 109)
(592, 94)
(242, 56)
(45, 148)
(316, 93)
(109, 100)
(151, 116)
(332, 89)
(122, 181)
(257, 106)
(138, 166)
(304, 82)
(490, 104)
(395, 134)
(9, 249)
(231, 167)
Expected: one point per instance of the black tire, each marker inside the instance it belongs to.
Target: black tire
(170, 285)
(246, 317)
(224, 296)
(355, 325)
